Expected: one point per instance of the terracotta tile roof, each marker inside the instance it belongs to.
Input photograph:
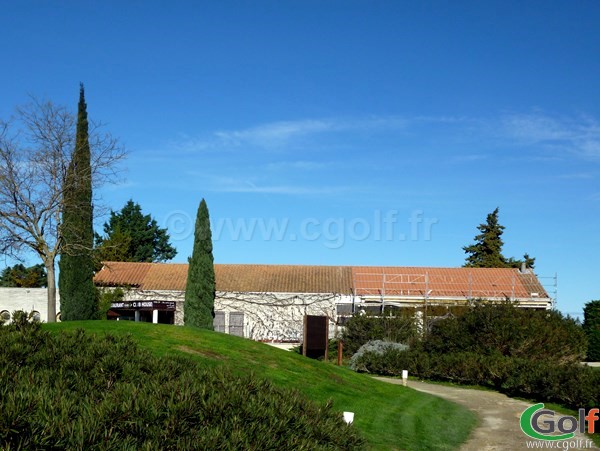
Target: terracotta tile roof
(146, 276)
(248, 278)
(446, 282)
(122, 274)
(284, 278)
(366, 280)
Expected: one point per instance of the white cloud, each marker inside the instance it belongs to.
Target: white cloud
(282, 189)
(534, 128)
(296, 165)
(590, 147)
(467, 158)
(595, 197)
(275, 133)
(578, 136)
(282, 134)
(260, 185)
(576, 176)
(541, 135)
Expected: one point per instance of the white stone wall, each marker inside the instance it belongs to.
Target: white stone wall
(277, 317)
(274, 317)
(27, 299)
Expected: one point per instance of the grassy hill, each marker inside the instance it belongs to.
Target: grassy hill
(388, 416)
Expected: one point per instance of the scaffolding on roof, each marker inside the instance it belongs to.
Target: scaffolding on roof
(411, 289)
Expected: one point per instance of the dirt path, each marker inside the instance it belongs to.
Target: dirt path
(498, 415)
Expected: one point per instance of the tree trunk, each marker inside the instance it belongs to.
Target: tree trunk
(51, 279)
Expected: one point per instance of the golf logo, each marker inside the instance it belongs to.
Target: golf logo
(549, 429)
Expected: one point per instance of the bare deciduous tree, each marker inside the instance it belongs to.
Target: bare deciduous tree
(36, 146)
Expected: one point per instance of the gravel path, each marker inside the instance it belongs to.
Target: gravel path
(498, 416)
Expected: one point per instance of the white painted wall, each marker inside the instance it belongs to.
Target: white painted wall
(277, 317)
(27, 299)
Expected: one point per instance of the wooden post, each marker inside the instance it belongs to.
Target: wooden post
(340, 352)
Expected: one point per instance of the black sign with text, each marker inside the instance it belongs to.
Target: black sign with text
(139, 305)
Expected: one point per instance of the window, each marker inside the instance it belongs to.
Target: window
(236, 324)
(4, 316)
(219, 322)
(344, 309)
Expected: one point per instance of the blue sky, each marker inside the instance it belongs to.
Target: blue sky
(339, 132)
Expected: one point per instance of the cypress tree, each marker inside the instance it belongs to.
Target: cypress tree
(78, 298)
(591, 326)
(200, 289)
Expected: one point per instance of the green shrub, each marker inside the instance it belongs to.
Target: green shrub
(77, 391)
(106, 297)
(572, 385)
(22, 320)
(510, 331)
(361, 329)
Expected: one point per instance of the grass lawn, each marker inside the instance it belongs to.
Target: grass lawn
(388, 416)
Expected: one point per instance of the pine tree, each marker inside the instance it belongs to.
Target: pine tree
(516, 263)
(20, 276)
(132, 236)
(200, 288)
(78, 296)
(487, 250)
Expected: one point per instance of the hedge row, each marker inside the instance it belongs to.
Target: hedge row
(510, 331)
(483, 329)
(521, 352)
(569, 384)
(77, 391)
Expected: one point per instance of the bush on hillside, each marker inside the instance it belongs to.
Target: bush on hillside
(361, 329)
(504, 329)
(78, 391)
